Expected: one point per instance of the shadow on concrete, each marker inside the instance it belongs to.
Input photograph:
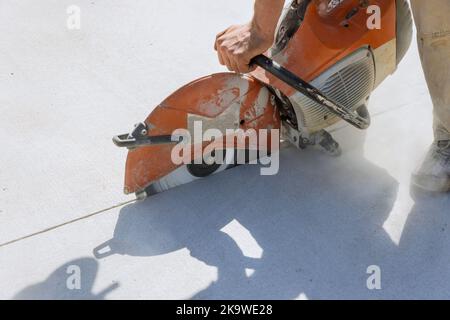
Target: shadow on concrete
(55, 286)
(319, 223)
(421, 267)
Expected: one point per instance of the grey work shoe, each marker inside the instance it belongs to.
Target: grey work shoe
(434, 174)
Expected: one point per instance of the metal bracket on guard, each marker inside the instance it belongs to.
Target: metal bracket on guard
(139, 137)
(322, 139)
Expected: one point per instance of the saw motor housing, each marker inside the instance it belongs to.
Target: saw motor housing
(335, 51)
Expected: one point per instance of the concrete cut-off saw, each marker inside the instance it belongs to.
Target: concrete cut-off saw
(322, 68)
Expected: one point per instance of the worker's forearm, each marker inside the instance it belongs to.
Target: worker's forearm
(266, 16)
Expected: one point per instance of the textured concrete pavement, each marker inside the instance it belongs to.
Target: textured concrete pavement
(309, 232)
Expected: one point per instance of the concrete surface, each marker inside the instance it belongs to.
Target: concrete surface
(308, 233)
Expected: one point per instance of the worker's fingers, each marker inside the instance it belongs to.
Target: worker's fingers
(227, 62)
(243, 63)
(239, 66)
(243, 68)
(220, 56)
(225, 57)
(232, 60)
(235, 66)
(236, 62)
(218, 39)
(216, 44)
(222, 33)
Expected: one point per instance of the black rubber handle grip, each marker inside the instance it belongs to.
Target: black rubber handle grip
(311, 92)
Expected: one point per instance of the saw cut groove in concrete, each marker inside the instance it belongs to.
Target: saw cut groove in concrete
(65, 223)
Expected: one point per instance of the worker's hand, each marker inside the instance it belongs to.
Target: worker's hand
(237, 45)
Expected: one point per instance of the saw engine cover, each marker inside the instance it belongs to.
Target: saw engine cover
(330, 45)
(327, 44)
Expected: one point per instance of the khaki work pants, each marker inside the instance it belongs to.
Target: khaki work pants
(432, 19)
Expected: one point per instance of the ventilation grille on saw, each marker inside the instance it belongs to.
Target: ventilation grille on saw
(350, 85)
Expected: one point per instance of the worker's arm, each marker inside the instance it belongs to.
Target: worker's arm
(237, 45)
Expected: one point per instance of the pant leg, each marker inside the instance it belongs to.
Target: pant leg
(432, 19)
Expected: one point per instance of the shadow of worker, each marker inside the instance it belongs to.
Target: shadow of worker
(318, 223)
(72, 281)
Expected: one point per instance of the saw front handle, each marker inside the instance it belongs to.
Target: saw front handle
(360, 121)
